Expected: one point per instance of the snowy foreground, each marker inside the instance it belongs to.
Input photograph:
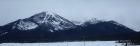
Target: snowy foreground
(87, 43)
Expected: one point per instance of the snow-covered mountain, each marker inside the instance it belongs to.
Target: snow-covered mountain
(48, 26)
(49, 20)
(46, 19)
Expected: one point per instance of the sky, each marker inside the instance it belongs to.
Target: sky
(126, 12)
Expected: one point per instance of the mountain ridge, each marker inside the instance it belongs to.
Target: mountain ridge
(49, 26)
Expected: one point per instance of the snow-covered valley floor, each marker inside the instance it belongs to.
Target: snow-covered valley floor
(87, 43)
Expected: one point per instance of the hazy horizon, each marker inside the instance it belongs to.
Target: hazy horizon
(126, 12)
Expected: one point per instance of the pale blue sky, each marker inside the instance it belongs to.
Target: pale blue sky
(126, 12)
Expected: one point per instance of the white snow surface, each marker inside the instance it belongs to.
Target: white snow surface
(39, 18)
(51, 30)
(77, 22)
(57, 23)
(25, 25)
(92, 21)
(43, 16)
(87, 43)
(50, 18)
(50, 13)
(3, 33)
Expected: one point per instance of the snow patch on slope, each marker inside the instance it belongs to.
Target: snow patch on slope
(3, 33)
(25, 25)
(77, 22)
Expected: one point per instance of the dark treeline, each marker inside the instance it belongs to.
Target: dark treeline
(132, 41)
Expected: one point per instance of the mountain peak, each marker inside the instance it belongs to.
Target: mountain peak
(50, 19)
(40, 18)
(46, 19)
(42, 12)
(47, 13)
(92, 21)
(50, 13)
